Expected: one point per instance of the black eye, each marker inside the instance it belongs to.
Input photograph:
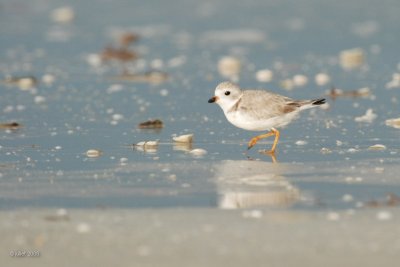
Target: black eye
(227, 92)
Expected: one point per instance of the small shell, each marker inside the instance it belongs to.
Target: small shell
(93, 153)
(147, 144)
(186, 138)
(395, 123)
(377, 147)
(198, 152)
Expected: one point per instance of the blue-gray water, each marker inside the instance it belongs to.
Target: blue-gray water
(44, 164)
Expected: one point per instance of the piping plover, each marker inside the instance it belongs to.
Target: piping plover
(259, 110)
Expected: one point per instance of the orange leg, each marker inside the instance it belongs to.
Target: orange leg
(273, 131)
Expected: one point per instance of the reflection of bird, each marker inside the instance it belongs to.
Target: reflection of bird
(258, 110)
(244, 184)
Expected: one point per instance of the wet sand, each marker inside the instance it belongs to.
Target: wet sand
(200, 237)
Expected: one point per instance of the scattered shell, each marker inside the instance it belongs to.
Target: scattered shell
(229, 66)
(353, 58)
(301, 142)
(362, 92)
(333, 216)
(254, 214)
(39, 99)
(395, 123)
(48, 79)
(63, 14)
(377, 147)
(186, 138)
(128, 38)
(347, 198)
(300, 80)
(147, 144)
(384, 215)
(10, 126)
(152, 77)
(198, 152)
(117, 117)
(368, 117)
(325, 150)
(322, 79)
(119, 54)
(151, 124)
(24, 83)
(83, 228)
(395, 82)
(93, 153)
(287, 84)
(264, 76)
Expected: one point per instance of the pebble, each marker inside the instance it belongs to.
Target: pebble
(186, 138)
(93, 153)
(264, 76)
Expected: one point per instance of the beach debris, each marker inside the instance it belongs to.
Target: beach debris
(10, 126)
(322, 79)
(368, 117)
(186, 138)
(128, 38)
(147, 146)
(377, 147)
(93, 153)
(153, 77)
(395, 123)
(384, 215)
(83, 228)
(325, 150)
(23, 82)
(352, 58)
(119, 54)
(151, 124)
(264, 75)
(287, 84)
(48, 79)
(333, 216)
(229, 67)
(300, 80)
(198, 152)
(395, 82)
(39, 99)
(391, 200)
(64, 14)
(186, 147)
(301, 142)
(335, 92)
(61, 215)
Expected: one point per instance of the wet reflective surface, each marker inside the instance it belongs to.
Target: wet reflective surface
(76, 102)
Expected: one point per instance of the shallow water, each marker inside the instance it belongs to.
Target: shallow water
(44, 163)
